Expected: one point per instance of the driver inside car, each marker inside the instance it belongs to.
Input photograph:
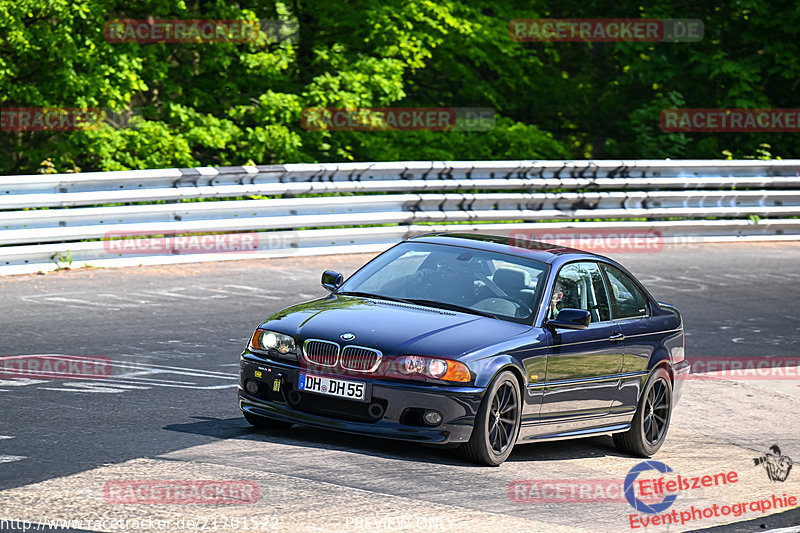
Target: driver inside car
(556, 299)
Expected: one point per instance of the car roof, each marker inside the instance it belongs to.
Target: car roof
(529, 249)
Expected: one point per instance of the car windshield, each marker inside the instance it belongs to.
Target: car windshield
(451, 277)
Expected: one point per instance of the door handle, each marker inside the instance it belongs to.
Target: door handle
(617, 337)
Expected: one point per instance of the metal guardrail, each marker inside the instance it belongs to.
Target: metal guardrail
(46, 220)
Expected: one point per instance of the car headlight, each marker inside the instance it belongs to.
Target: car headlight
(411, 364)
(437, 368)
(273, 342)
(432, 368)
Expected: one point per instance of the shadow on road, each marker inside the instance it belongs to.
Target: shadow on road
(308, 437)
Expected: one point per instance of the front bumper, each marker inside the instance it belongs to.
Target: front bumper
(458, 405)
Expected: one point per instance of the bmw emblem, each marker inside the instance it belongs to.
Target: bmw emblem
(347, 336)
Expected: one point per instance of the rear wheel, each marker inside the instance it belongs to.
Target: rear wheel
(497, 423)
(264, 422)
(649, 426)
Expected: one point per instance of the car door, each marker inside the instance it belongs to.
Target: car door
(583, 366)
(630, 310)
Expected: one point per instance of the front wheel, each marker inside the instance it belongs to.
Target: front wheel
(649, 426)
(497, 423)
(265, 423)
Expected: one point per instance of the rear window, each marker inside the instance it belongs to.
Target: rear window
(628, 300)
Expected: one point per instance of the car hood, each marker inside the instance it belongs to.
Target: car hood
(393, 328)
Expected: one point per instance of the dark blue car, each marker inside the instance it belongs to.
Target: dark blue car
(471, 341)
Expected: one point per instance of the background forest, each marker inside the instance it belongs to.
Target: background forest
(190, 104)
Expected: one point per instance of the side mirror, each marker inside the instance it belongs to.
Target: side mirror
(571, 319)
(331, 280)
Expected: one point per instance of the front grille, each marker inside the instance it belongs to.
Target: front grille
(360, 359)
(336, 407)
(324, 353)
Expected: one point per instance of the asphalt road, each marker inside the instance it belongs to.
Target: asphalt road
(173, 335)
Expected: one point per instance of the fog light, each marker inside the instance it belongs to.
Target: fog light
(375, 410)
(434, 418)
(294, 397)
(251, 386)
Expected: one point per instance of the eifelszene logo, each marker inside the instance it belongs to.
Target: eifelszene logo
(777, 465)
(630, 493)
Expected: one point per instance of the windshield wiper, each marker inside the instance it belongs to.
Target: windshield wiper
(451, 307)
(371, 295)
(420, 301)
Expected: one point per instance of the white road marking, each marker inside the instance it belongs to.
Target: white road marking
(83, 386)
(62, 299)
(163, 296)
(152, 368)
(126, 301)
(174, 293)
(248, 289)
(70, 302)
(701, 282)
(103, 385)
(132, 376)
(9, 458)
(20, 382)
(700, 285)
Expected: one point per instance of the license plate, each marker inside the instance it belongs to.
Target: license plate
(352, 390)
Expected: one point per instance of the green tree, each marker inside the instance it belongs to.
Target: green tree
(185, 104)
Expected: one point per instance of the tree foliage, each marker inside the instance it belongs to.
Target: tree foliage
(187, 104)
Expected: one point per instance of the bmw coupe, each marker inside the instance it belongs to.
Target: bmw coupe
(474, 342)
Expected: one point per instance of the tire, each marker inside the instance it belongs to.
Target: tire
(651, 421)
(493, 436)
(265, 423)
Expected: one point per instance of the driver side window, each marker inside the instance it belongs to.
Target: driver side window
(580, 286)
